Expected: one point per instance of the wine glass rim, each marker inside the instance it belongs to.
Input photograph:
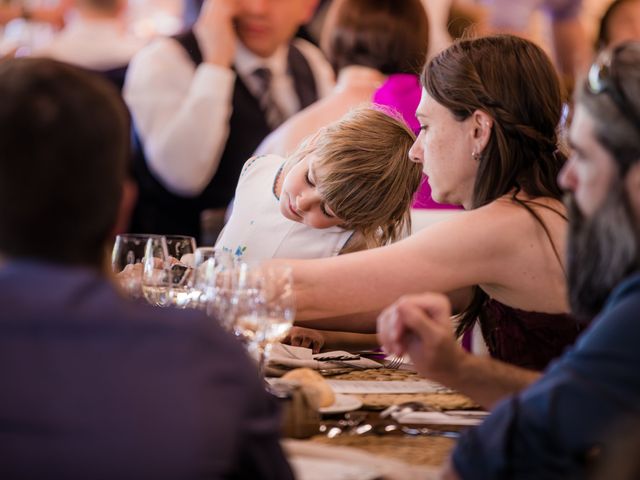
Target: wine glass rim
(138, 235)
(179, 237)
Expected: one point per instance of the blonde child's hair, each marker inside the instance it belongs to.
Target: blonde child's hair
(367, 177)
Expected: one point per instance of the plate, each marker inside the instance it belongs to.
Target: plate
(343, 403)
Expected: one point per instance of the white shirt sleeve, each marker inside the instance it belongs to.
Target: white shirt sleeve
(181, 114)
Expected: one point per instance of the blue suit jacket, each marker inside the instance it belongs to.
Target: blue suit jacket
(93, 386)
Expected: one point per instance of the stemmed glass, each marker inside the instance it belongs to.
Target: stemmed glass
(180, 245)
(264, 307)
(213, 268)
(180, 251)
(126, 261)
(157, 274)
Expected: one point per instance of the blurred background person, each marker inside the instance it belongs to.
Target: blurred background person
(559, 29)
(203, 101)
(49, 14)
(619, 23)
(27, 26)
(96, 38)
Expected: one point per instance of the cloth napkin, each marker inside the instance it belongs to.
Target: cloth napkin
(295, 357)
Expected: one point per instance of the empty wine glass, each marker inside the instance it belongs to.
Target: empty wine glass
(126, 261)
(209, 265)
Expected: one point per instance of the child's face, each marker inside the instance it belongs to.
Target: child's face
(300, 199)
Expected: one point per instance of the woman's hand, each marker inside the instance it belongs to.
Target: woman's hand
(306, 337)
(420, 325)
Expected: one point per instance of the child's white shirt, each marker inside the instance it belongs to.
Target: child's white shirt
(258, 231)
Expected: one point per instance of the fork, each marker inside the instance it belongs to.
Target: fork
(394, 362)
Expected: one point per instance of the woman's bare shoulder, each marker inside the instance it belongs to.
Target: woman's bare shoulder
(497, 224)
(507, 209)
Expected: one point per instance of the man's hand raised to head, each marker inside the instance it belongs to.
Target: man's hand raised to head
(215, 31)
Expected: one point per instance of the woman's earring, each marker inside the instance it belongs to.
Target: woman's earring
(475, 155)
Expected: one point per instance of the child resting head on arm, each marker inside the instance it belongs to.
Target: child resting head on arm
(348, 187)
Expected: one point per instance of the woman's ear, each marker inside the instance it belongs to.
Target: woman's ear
(482, 127)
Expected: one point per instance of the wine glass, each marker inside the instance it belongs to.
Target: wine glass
(156, 275)
(181, 250)
(279, 304)
(180, 245)
(210, 264)
(264, 307)
(245, 303)
(126, 261)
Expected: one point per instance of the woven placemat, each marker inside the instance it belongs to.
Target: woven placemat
(438, 401)
(432, 451)
(380, 374)
(441, 401)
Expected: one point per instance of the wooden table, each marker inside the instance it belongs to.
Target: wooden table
(420, 450)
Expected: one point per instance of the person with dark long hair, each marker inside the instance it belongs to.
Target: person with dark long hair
(488, 142)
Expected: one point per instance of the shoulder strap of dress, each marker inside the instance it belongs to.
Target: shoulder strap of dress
(526, 204)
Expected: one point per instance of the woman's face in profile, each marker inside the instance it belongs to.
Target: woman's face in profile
(444, 147)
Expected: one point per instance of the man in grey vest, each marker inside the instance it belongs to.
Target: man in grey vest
(201, 103)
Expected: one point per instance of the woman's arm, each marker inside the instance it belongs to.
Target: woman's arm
(499, 247)
(449, 256)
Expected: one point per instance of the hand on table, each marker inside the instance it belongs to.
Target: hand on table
(420, 325)
(215, 31)
(306, 337)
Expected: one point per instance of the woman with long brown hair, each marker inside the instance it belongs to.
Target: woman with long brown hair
(489, 113)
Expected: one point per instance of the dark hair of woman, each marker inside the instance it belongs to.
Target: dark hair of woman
(514, 82)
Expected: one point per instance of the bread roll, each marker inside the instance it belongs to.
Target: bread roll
(318, 391)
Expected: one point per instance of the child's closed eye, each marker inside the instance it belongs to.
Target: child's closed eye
(308, 179)
(323, 208)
